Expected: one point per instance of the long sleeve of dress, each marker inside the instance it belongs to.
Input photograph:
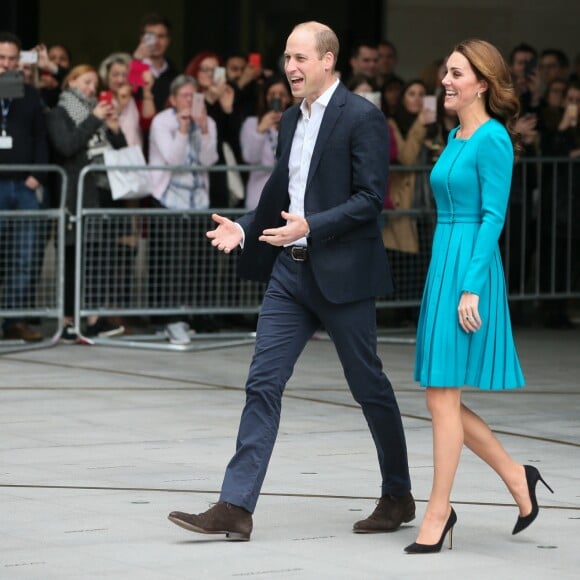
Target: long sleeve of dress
(495, 159)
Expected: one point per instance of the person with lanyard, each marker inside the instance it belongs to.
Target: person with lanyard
(314, 237)
(23, 141)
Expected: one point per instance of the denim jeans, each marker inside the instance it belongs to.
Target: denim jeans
(17, 247)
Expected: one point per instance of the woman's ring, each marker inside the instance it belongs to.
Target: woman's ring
(467, 318)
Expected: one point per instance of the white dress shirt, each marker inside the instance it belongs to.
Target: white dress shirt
(303, 144)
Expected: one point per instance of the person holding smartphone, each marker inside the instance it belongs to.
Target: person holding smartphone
(181, 135)
(411, 125)
(137, 111)
(259, 135)
(219, 101)
(80, 129)
(154, 40)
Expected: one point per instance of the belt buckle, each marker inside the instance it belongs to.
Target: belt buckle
(298, 253)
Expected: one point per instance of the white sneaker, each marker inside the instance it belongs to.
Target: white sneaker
(178, 333)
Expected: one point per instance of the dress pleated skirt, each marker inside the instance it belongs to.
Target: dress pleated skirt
(446, 355)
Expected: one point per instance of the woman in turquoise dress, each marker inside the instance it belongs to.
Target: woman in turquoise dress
(464, 335)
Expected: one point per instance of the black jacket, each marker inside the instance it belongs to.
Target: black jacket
(27, 127)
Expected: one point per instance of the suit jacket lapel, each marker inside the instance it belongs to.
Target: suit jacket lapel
(331, 115)
(285, 140)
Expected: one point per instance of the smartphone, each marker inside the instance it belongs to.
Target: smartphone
(276, 104)
(28, 56)
(255, 59)
(430, 104)
(136, 70)
(149, 38)
(219, 75)
(198, 105)
(106, 97)
(530, 67)
(572, 111)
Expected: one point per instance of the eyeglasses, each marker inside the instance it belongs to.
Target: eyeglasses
(206, 69)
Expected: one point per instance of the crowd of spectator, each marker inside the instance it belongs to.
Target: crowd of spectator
(225, 109)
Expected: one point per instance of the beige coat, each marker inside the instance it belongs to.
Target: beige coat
(400, 232)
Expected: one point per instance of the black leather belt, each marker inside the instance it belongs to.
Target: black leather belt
(297, 253)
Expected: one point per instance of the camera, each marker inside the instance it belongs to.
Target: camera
(219, 75)
(149, 38)
(106, 96)
(28, 57)
(11, 85)
(276, 104)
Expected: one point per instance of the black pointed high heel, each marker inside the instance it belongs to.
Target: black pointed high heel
(416, 548)
(532, 478)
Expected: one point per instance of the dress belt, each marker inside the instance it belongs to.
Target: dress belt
(297, 253)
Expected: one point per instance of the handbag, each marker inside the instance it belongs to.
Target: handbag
(235, 183)
(128, 183)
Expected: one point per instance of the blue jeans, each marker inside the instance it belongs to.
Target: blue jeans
(17, 237)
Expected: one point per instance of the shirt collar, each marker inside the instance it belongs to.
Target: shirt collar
(322, 100)
(156, 72)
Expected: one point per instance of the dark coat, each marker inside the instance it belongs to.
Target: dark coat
(70, 145)
(344, 197)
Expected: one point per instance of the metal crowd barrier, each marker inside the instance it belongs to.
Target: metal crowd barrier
(40, 294)
(169, 267)
(157, 262)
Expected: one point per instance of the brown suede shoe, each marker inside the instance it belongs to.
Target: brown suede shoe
(223, 518)
(388, 516)
(22, 331)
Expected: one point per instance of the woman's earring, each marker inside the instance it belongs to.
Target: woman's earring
(478, 95)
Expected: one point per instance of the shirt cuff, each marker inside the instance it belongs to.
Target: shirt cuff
(243, 235)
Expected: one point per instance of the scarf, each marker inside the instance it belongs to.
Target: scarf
(188, 190)
(79, 107)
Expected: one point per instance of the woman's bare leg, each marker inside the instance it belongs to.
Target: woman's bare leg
(480, 439)
(444, 404)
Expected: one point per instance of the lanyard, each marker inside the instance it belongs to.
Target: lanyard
(5, 105)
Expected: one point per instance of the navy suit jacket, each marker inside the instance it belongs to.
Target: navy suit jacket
(345, 190)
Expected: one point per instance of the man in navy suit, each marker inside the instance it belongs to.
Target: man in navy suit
(315, 238)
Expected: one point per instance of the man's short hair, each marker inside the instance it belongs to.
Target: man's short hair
(363, 43)
(153, 19)
(388, 44)
(522, 47)
(560, 55)
(10, 38)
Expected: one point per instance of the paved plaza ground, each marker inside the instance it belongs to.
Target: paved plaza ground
(100, 443)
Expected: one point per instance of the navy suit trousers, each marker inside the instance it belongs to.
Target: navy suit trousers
(292, 310)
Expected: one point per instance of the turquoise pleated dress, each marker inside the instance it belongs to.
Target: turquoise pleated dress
(471, 183)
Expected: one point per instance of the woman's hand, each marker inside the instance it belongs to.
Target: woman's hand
(269, 120)
(468, 312)
(184, 120)
(112, 119)
(102, 109)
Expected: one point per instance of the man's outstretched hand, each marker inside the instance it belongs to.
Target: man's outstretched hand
(227, 236)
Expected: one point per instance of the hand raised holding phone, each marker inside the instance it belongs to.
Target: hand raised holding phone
(199, 112)
(429, 111)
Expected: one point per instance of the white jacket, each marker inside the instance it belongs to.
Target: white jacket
(167, 146)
